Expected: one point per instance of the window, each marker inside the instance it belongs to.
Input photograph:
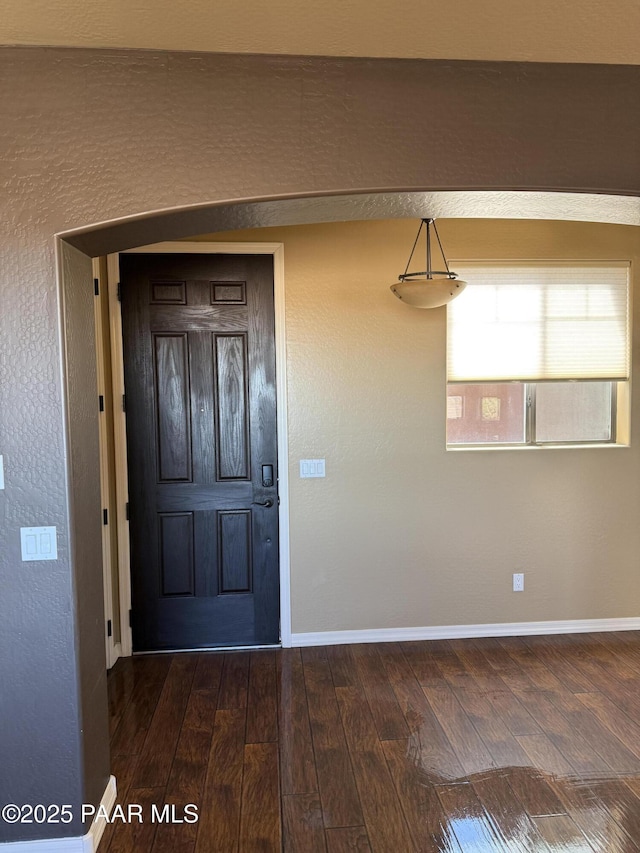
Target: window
(538, 354)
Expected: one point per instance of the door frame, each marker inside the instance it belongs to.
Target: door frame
(120, 438)
(113, 650)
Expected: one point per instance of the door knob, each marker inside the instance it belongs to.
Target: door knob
(266, 503)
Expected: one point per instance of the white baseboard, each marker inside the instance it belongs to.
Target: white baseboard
(99, 823)
(75, 844)
(451, 632)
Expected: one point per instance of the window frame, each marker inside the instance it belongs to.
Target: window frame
(620, 419)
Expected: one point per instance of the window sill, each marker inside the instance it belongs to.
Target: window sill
(466, 448)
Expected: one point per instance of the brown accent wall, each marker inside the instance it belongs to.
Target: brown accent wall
(91, 136)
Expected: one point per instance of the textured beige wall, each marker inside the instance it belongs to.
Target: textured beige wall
(545, 31)
(402, 532)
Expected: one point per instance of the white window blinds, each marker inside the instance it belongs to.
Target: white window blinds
(539, 321)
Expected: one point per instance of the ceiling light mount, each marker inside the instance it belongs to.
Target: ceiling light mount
(430, 288)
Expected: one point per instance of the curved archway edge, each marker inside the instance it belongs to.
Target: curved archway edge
(176, 223)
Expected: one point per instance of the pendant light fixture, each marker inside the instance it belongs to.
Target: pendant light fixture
(431, 288)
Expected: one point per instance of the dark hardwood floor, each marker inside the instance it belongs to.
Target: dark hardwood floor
(461, 746)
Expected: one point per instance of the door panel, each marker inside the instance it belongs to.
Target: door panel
(234, 550)
(229, 353)
(172, 410)
(176, 553)
(201, 423)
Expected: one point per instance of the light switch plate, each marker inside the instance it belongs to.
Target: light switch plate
(312, 468)
(39, 543)
(1, 472)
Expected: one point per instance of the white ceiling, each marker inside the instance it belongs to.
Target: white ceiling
(528, 30)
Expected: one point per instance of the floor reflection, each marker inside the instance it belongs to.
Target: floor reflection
(561, 769)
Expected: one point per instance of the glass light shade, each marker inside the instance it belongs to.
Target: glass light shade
(428, 292)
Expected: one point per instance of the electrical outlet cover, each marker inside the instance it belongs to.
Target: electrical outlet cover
(518, 582)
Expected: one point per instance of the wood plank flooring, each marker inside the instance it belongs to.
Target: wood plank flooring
(466, 746)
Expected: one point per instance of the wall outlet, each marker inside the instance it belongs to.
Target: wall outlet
(518, 581)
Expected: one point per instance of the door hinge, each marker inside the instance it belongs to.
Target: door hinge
(119, 292)
(101, 402)
(126, 510)
(105, 516)
(109, 627)
(96, 287)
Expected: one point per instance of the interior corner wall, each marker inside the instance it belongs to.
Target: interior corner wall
(92, 136)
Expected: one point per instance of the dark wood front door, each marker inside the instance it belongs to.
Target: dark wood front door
(199, 352)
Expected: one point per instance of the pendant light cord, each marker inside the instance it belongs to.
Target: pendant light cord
(444, 258)
(406, 269)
